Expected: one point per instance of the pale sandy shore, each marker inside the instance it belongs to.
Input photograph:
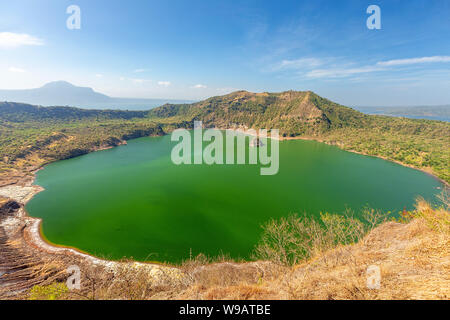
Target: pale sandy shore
(33, 237)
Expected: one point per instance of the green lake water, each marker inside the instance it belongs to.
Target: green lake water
(132, 201)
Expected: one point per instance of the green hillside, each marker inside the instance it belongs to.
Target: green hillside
(293, 112)
(20, 112)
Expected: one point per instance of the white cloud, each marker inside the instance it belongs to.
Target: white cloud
(399, 62)
(302, 66)
(226, 90)
(17, 70)
(135, 80)
(199, 86)
(164, 83)
(337, 73)
(98, 75)
(13, 40)
(298, 64)
(140, 70)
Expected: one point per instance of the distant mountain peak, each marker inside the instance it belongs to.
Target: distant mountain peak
(63, 93)
(56, 93)
(64, 85)
(56, 84)
(73, 90)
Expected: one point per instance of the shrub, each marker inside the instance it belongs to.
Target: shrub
(53, 291)
(290, 240)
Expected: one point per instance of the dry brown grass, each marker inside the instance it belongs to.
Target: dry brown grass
(414, 259)
(413, 256)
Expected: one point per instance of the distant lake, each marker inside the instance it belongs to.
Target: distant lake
(439, 118)
(131, 201)
(441, 113)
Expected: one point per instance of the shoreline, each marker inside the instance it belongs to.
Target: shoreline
(442, 181)
(35, 239)
(33, 231)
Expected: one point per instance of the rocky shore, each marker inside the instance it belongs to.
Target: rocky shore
(26, 259)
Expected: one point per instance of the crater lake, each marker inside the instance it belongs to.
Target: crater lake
(132, 201)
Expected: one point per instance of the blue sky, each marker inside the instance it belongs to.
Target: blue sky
(196, 49)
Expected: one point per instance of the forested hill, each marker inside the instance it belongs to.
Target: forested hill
(293, 112)
(20, 112)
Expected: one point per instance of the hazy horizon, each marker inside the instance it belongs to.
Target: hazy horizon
(141, 101)
(195, 100)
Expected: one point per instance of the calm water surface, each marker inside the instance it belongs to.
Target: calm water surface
(131, 201)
